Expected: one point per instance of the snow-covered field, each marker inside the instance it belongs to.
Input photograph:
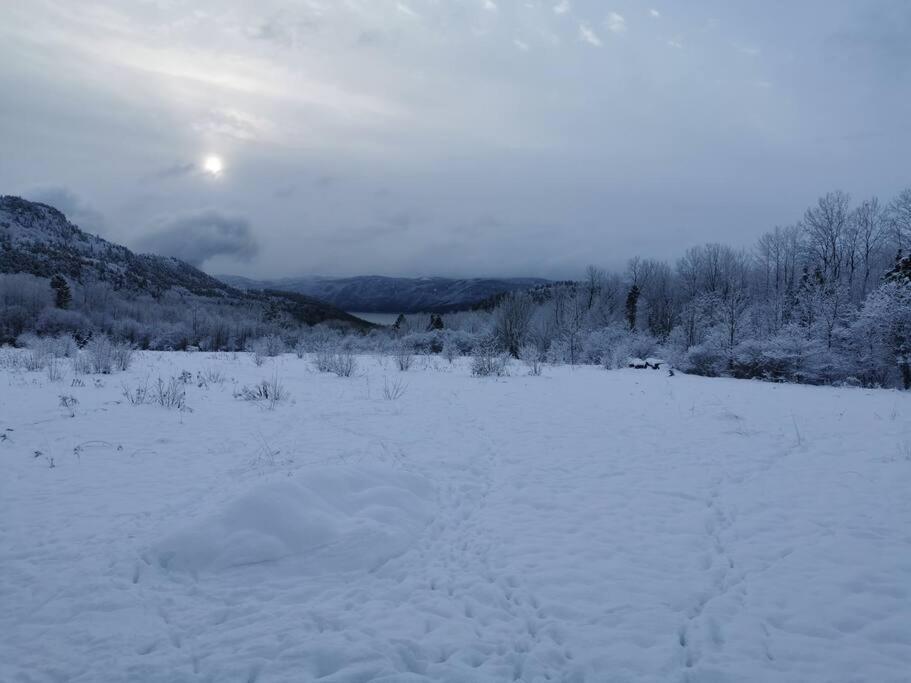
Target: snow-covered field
(581, 526)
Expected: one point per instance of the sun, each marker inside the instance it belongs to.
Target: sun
(213, 165)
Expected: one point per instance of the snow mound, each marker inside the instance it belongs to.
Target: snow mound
(331, 520)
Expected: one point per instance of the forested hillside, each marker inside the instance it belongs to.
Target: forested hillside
(56, 278)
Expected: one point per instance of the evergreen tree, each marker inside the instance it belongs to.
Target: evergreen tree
(63, 297)
(901, 272)
(632, 303)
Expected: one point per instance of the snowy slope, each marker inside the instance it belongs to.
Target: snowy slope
(581, 526)
(38, 239)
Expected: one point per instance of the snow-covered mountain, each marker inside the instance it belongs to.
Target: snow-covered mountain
(378, 294)
(39, 240)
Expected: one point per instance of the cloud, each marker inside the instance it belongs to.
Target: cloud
(199, 236)
(878, 38)
(406, 10)
(175, 171)
(586, 35)
(71, 205)
(654, 13)
(747, 50)
(234, 123)
(448, 105)
(324, 182)
(286, 30)
(396, 225)
(285, 191)
(616, 23)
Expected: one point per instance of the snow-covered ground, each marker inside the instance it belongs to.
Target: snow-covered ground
(581, 526)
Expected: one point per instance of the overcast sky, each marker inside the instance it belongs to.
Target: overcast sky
(453, 137)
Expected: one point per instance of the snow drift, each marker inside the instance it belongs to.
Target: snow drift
(330, 520)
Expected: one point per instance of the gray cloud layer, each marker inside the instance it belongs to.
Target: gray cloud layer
(521, 136)
(198, 237)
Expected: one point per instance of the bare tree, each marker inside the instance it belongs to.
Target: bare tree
(511, 321)
(899, 221)
(826, 225)
(594, 283)
(868, 222)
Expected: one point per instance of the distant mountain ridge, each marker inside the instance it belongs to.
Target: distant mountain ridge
(37, 239)
(380, 294)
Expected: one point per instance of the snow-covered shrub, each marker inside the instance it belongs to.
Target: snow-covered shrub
(54, 369)
(55, 321)
(136, 396)
(69, 403)
(884, 326)
(792, 356)
(210, 375)
(596, 346)
(642, 344)
(273, 345)
(82, 363)
(171, 337)
(610, 346)
(100, 352)
(566, 348)
(323, 360)
(37, 352)
(461, 342)
(708, 359)
(170, 394)
(34, 360)
(122, 356)
(451, 350)
(403, 357)
(339, 362)
(558, 352)
(674, 348)
(394, 390)
(267, 347)
(10, 359)
(269, 391)
(748, 359)
(427, 342)
(533, 358)
(488, 361)
(344, 363)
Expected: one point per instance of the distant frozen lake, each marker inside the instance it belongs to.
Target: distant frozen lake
(377, 318)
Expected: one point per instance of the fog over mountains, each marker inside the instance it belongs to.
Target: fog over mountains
(378, 294)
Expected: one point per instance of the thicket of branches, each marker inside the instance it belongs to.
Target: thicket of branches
(175, 320)
(824, 300)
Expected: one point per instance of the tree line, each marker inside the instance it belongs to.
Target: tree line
(824, 300)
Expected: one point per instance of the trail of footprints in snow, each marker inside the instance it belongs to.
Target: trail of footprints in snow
(464, 549)
(718, 523)
(721, 564)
